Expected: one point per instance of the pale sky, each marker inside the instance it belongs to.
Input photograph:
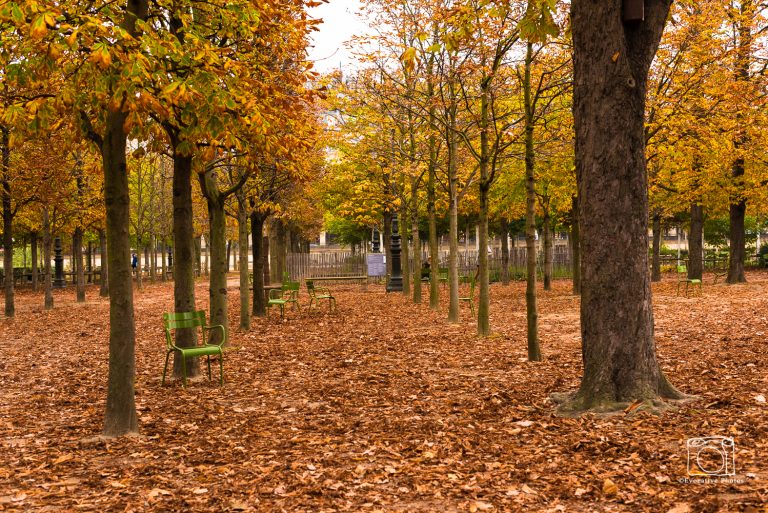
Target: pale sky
(340, 23)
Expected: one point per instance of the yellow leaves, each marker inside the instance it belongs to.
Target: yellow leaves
(615, 57)
(100, 55)
(38, 28)
(609, 488)
(409, 59)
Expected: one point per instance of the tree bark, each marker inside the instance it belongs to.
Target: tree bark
(532, 312)
(416, 244)
(77, 250)
(104, 275)
(696, 243)
(611, 63)
(185, 255)
(47, 249)
(217, 249)
(656, 249)
(5, 191)
(242, 246)
(259, 256)
(163, 261)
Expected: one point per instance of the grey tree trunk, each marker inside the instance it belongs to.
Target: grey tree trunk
(611, 63)
(416, 246)
(217, 247)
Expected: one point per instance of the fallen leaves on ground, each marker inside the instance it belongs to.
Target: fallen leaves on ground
(384, 406)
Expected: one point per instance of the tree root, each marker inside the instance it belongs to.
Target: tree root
(570, 404)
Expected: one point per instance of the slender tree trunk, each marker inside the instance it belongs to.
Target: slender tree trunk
(104, 275)
(575, 245)
(34, 244)
(611, 63)
(242, 246)
(453, 221)
(696, 243)
(152, 258)
(656, 249)
(77, 250)
(259, 256)
(229, 254)
(483, 308)
(47, 249)
(532, 313)
(5, 161)
(185, 254)
(217, 247)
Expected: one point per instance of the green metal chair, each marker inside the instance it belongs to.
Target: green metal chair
(318, 293)
(192, 320)
(288, 293)
(682, 277)
(471, 297)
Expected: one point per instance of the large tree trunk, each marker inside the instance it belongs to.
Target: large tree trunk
(259, 257)
(217, 248)
(277, 250)
(185, 255)
(738, 251)
(575, 246)
(34, 243)
(532, 312)
(695, 242)
(47, 250)
(5, 161)
(242, 246)
(611, 63)
(656, 249)
(77, 251)
(104, 275)
(453, 219)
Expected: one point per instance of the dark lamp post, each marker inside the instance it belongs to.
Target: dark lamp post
(375, 241)
(58, 265)
(395, 283)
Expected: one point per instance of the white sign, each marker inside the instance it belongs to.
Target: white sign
(377, 264)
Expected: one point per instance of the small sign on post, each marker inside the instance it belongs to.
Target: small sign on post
(377, 265)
